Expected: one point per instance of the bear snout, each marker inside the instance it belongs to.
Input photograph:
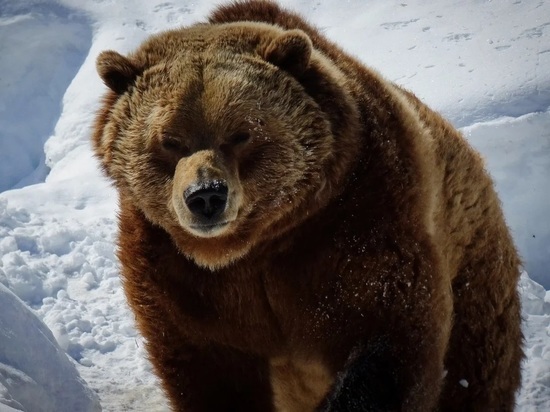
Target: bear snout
(207, 200)
(206, 195)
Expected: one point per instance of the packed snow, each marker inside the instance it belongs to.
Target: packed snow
(483, 64)
(32, 362)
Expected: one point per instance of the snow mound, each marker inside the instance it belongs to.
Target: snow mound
(535, 393)
(65, 268)
(31, 93)
(517, 152)
(35, 373)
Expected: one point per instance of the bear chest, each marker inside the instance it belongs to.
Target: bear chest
(263, 312)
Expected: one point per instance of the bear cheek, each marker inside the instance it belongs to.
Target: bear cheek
(234, 200)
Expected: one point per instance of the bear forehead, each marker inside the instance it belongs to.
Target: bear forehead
(215, 93)
(215, 75)
(204, 41)
(221, 61)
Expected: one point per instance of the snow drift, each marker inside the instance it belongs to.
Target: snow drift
(35, 373)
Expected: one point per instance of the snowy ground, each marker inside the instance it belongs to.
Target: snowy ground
(484, 64)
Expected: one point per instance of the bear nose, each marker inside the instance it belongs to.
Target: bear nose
(207, 200)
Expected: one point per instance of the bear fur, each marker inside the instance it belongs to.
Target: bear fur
(298, 233)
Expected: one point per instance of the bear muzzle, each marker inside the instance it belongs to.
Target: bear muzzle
(206, 196)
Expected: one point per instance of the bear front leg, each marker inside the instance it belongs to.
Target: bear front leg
(379, 377)
(212, 378)
(400, 369)
(368, 382)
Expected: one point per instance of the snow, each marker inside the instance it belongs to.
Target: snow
(483, 64)
(32, 362)
(517, 152)
(32, 32)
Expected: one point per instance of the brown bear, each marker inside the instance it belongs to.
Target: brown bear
(298, 233)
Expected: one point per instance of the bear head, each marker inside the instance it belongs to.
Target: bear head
(225, 135)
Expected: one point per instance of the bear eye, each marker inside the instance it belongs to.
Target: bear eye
(239, 138)
(235, 141)
(173, 144)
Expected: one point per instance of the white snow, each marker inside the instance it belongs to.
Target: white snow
(483, 64)
(35, 373)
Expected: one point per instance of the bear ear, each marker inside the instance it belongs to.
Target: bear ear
(291, 51)
(117, 71)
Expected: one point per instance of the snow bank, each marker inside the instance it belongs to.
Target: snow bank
(535, 393)
(63, 264)
(517, 152)
(31, 92)
(35, 373)
(473, 60)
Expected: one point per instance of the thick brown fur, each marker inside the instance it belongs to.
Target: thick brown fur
(361, 261)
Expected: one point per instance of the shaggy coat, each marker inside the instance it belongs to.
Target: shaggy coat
(298, 233)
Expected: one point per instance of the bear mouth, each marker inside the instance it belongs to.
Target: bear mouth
(209, 229)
